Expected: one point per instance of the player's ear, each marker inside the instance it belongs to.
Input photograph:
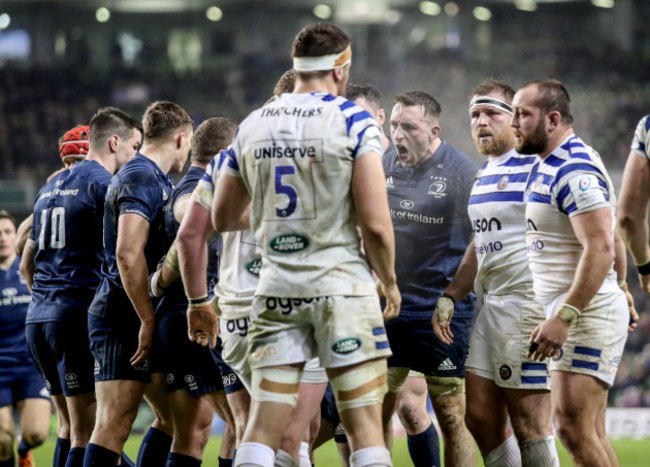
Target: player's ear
(179, 139)
(381, 117)
(554, 118)
(113, 143)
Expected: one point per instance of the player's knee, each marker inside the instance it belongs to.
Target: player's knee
(567, 429)
(275, 384)
(413, 415)
(6, 443)
(35, 438)
(450, 414)
(361, 386)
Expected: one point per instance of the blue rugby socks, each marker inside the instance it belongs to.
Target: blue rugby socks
(424, 448)
(154, 449)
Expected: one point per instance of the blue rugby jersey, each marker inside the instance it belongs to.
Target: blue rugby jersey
(428, 206)
(140, 187)
(176, 293)
(14, 300)
(67, 235)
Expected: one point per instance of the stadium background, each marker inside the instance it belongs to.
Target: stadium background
(62, 59)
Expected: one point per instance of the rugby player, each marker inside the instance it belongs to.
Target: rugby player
(501, 381)
(121, 318)
(570, 237)
(195, 374)
(305, 160)
(428, 182)
(20, 384)
(66, 249)
(634, 199)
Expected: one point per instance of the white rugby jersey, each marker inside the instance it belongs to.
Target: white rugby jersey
(496, 209)
(641, 141)
(295, 156)
(570, 181)
(240, 260)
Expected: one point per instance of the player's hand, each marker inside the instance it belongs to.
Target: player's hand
(145, 341)
(393, 301)
(202, 325)
(634, 316)
(154, 289)
(644, 279)
(441, 320)
(549, 337)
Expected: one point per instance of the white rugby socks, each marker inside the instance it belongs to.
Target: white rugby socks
(505, 455)
(540, 453)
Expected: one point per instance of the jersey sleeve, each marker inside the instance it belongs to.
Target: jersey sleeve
(581, 189)
(139, 195)
(204, 191)
(641, 140)
(363, 130)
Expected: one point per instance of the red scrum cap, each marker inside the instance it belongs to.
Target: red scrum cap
(74, 143)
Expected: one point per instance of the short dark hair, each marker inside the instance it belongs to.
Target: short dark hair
(369, 93)
(4, 214)
(109, 121)
(493, 85)
(425, 101)
(316, 40)
(286, 83)
(213, 135)
(162, 117)
(552, 96)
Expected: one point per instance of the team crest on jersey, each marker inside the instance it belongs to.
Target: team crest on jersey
(407, 204)
(505, 372)
(503, 183)
(438, 188)
(585, 183)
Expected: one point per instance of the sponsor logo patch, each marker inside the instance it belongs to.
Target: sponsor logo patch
(347, 345)
(254, 267)
(289, 243)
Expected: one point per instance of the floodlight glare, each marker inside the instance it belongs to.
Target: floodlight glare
(102, 14)
(322, 11)
(214, 13)
(5, 20)
(429, 8)
(482, 14)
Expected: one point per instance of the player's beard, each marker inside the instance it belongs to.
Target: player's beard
(495, 146)
(535, 143)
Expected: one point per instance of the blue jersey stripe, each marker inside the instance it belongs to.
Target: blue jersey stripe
(232, 162)
(526, 366)
(554, 161)
(494, 179)
(356, 149)
(647, 123)
(378, 331)
(538, 198)
(584, 364)
(497, 196)
(575, 167)
(347, 105)
(587, 351)
(518, 162)
(382, 345)
(328, 98)
(533, 379)
(358, 117)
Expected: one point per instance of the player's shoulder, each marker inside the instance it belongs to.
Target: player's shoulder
(457, 161)
(140, 171)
